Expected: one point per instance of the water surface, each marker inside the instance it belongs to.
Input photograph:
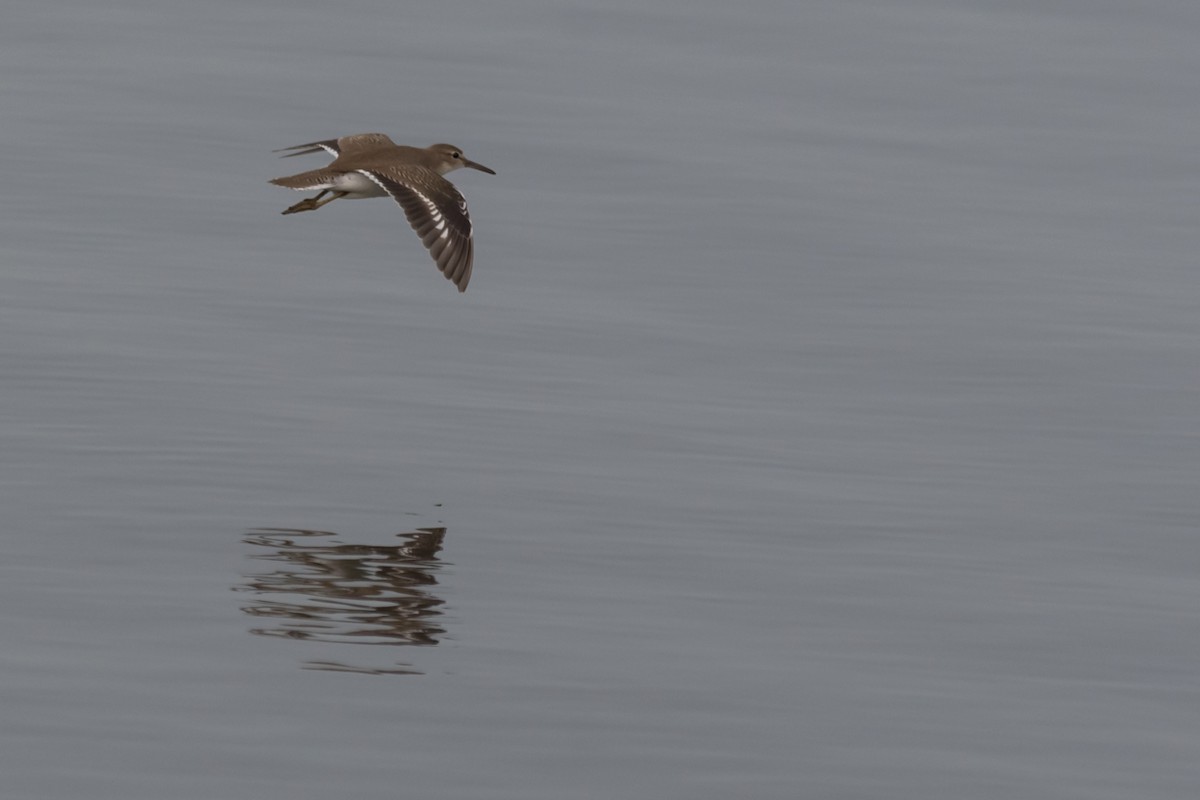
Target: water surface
(820, 420)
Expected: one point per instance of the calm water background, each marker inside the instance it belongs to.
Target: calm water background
(821, 420)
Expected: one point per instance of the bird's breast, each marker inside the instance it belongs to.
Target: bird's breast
(356, 186)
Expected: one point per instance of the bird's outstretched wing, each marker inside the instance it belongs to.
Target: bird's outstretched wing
(359, 142)
(437, 212)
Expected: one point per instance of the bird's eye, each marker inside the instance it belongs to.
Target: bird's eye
(458, 155)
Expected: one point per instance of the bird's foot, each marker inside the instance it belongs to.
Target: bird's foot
(307, 204)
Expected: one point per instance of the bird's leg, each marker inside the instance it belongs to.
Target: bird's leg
(313, 203)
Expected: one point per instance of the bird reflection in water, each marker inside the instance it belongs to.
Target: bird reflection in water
(321, 590)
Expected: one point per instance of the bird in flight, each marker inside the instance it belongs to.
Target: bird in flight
(372, 165)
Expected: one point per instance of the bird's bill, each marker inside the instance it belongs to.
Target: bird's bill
(469, 163)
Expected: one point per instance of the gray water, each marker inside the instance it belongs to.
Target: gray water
(821, 420)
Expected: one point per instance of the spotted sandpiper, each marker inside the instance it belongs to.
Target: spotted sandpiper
(372, 165)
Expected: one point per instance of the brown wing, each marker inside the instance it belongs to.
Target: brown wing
(437, 212)
(358, 143)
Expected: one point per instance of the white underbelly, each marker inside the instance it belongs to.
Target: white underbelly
(356, 186)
